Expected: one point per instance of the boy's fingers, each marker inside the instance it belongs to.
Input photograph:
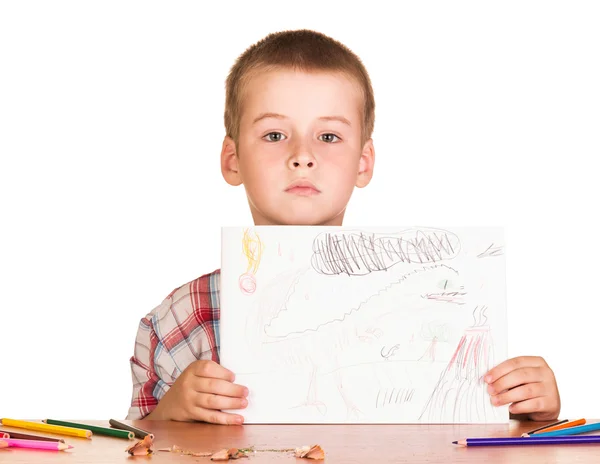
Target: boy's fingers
(213, 370)
(218, 417)
(512, 364)
(220, 387)
(528, 406)
(522, 393)
(212, 401)
(515, 378)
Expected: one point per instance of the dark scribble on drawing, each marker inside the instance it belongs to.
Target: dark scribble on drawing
(492, 251)
(359, 253)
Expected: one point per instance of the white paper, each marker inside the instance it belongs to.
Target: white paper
(369, 325)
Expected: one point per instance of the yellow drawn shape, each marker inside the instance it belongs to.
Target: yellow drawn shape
(252, 247)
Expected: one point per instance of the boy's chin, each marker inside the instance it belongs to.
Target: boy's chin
(309, 218)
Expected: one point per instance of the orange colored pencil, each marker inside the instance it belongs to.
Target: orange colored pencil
(563, 426)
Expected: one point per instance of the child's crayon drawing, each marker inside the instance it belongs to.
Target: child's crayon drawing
(366, 326)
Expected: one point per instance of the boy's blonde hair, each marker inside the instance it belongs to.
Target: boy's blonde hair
(301, 50)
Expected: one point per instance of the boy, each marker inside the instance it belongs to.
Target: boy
(299, 117)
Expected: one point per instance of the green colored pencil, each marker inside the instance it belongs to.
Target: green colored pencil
(94, 429)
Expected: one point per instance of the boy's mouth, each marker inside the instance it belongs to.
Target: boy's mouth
(302, 188)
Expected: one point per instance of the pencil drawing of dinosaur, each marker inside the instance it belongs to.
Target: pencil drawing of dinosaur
(280, 331)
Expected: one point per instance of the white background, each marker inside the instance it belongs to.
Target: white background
(111, 194)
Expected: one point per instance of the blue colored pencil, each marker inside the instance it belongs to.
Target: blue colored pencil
(570, 431)
(510, 441)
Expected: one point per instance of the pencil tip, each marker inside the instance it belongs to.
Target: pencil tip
(455, 442)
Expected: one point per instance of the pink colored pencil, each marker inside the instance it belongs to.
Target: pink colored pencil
(35, 444)
(3, 444)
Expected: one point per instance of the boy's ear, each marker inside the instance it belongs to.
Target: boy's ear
(366, 164)
(229, 162)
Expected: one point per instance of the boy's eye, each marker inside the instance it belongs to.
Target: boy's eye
(274, 137)
(329, 138)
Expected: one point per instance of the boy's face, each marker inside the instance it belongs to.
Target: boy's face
(299, 153)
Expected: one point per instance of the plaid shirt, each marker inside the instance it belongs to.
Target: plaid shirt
(181, 330)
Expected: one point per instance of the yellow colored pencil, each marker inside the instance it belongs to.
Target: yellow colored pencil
(40, 427)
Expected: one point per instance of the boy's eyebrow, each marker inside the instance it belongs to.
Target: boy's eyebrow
(268, 115)
(335, 118)
(281, 116)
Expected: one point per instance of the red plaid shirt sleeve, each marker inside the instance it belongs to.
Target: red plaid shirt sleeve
(182, 329)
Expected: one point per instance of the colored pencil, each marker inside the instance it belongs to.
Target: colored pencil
(94, 428)
(570, 431)
(543, 427)
(139, 433)
(24, 436)
(3, 444)
(4, 435)
(508, 441)
(35, 444)
(40, 427)
(561, 426)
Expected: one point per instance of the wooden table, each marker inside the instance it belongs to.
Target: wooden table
(346, 444)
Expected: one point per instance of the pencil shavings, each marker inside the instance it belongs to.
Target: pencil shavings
(177, 449)
(227, 454)
(221, 455)
(310, 452)
(141, 448)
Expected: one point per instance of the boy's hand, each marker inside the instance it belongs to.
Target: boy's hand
(199, 394)
(529, 384)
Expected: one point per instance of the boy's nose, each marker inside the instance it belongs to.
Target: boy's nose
(302, 160)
